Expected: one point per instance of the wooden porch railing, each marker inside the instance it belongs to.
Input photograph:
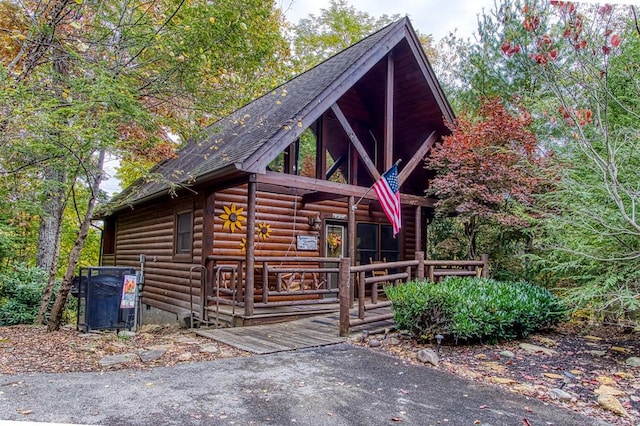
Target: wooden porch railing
(283, 277)
(434, 270)
(291, 281)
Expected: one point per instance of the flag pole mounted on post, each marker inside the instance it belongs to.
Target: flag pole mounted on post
(388, 192)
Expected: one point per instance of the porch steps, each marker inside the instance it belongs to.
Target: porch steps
(227, 317)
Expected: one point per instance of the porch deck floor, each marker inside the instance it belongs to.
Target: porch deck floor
(308, 332)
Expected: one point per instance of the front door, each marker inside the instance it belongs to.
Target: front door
(335, 236)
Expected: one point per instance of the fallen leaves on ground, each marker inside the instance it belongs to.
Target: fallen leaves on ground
(590, 368)
(31, 349)
(584, 372)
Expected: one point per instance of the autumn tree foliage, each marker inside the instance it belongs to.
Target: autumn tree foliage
(575, 67)
(586, 58)
(488, 170)
(81, 80)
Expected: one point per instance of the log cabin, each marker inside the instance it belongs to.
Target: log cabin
(249, 222)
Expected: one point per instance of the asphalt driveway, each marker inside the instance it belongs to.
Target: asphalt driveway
(333, 385)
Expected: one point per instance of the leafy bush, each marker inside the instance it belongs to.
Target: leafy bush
(474, 308)
(20, 292)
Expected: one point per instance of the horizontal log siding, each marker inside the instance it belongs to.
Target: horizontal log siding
(150, 231)
(408, 241)
(284, 214)
(288, 218)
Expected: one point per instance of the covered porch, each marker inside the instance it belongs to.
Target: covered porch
(283, 289)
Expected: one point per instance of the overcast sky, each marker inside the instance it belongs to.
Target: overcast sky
(435, 17)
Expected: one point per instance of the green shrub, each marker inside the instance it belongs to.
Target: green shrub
(20, 293)
(472, 309)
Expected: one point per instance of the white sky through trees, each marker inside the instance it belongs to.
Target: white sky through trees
(436, 17)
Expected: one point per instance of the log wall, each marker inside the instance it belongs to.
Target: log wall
(288, 217)
(150, 231)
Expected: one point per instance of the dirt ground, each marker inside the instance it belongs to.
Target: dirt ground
(585, 362)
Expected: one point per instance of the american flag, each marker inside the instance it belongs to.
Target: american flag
(386, 189)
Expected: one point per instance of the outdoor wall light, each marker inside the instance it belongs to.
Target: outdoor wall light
(315, 222)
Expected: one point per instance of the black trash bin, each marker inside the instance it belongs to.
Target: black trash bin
(99, 291)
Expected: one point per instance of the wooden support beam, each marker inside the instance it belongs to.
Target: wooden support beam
(353, 166)
(289, 159)
(351, 247)
(335, 167)
(388, 114)
(250, 247)
(364, 156)
(417, 158)
(311, 184)
(323, 140)
(208, 220)
(321, 162)
(316, 197)
(276, 189)
(344, 295)
(351, 230)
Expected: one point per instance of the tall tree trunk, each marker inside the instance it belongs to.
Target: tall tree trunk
(45, 42)
(56, 179)
(51, 218)
(74, 256)
(49, 235)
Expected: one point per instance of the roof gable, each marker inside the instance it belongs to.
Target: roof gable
(248, 139)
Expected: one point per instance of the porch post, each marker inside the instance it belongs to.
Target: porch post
(485, 266)
(208, 220)
(419, 229)
(351, 230)
(250, 246)
(344, 295)
(420, 267)
(351, 237)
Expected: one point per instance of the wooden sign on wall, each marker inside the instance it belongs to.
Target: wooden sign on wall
(307, 242)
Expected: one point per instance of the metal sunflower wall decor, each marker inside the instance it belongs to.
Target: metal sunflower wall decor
(264, 231)
(233, 217)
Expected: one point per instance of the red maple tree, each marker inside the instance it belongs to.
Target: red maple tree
(488, 169)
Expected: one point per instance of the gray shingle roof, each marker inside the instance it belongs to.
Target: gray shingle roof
(236, 138)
